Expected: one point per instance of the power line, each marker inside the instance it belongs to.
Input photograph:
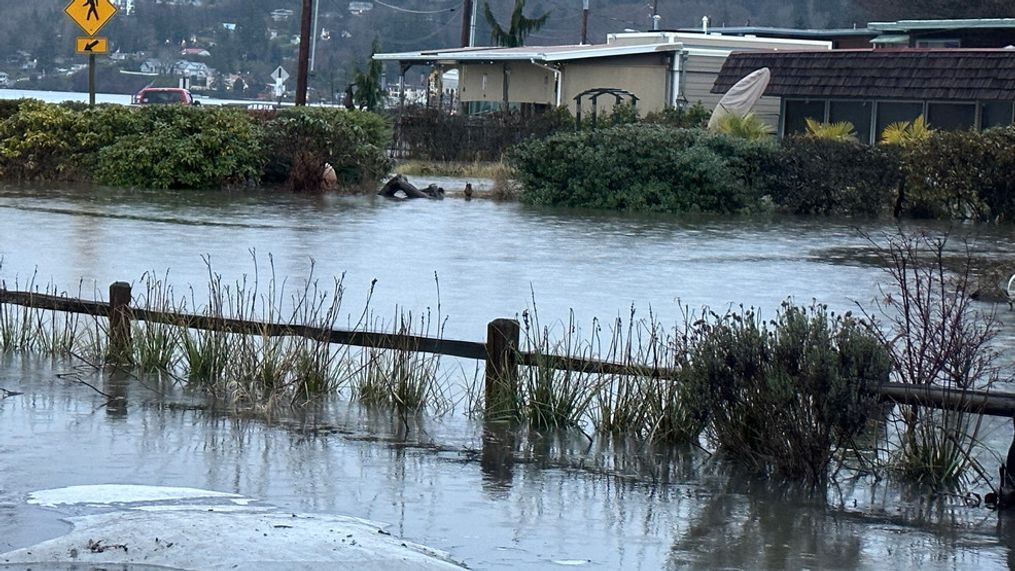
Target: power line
(440, 30)
(409, 11)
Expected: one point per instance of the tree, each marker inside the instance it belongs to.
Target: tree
(368, 93)
(935, 9)
(520, 26)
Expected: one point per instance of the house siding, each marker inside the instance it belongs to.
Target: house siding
(528, 83)
(644, 76)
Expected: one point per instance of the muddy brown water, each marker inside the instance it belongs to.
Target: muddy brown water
(545, 503)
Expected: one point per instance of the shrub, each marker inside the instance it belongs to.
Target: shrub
(784, 395)
(38, 142)
(300, 140)
(832, 177)
(641, 167)
(936, 337)
(183, 147)
(961, 174)
(9, 107)
(694, 117)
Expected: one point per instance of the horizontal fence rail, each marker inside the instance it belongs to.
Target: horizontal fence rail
(501, 351)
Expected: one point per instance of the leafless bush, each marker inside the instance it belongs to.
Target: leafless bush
(936, 337)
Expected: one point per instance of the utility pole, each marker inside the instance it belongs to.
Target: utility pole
(304, 54)
(314, 31)
(467, 10)
(655, 15)
(585, 22)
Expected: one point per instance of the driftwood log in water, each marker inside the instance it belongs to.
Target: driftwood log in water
(399, 183)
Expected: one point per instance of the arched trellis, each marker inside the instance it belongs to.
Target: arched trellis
(594, 94)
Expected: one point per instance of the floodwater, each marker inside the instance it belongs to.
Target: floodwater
(491, 500)
(117, 98)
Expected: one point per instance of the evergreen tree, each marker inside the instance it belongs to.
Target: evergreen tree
(368, 93)
(519, 28)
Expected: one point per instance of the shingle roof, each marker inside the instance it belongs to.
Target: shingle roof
(897, 74)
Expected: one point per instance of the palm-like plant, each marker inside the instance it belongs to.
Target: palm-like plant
(748, 126)
(838, 131)
(905, 132)
(519, 28)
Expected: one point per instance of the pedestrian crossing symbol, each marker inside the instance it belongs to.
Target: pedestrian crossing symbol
(91, 15)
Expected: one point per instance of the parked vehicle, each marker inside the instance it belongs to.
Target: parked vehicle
(164, 96)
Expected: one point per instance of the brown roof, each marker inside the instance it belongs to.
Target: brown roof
(888, 74)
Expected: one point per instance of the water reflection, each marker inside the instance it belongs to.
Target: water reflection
(498, 458)
(495, 497)
(115, 388)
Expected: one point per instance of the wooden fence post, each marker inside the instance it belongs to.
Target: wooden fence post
(119, 322)
(502, 368)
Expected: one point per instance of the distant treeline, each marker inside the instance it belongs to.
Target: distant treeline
(175, 146)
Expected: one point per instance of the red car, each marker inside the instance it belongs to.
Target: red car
(164, 95)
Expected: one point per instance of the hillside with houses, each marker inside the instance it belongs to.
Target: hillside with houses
(229, 47)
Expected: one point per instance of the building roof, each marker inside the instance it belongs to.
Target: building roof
(794, 33)
(950, 74)
(911, 25)
(538, 53)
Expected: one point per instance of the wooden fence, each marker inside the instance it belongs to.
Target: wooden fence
(501, 351)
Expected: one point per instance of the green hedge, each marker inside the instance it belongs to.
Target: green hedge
(823, 176)
(188, 147)
(176, 146)
(644, 167)
(962, 174)
(647, 167)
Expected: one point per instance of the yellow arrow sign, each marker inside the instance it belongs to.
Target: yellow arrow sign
(90, 45)
(91, 15)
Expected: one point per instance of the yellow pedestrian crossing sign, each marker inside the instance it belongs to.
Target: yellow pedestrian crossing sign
(91, 15)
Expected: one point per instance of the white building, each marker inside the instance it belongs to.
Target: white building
(125, 6)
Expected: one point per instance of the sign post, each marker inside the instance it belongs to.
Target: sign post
(91, 16)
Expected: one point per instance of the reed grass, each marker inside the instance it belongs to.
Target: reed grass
(404, 378)
(551, 398)
(643, 403)
(34, 330)
(474, 169)
(155, 344)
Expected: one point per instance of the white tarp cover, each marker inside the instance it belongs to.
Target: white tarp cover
(741, 97)
(183, 528)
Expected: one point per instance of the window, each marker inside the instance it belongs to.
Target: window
(939, 43)
(995, 114)
(798, 111)
(856, 112)
(951, 116)
(894, 111)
